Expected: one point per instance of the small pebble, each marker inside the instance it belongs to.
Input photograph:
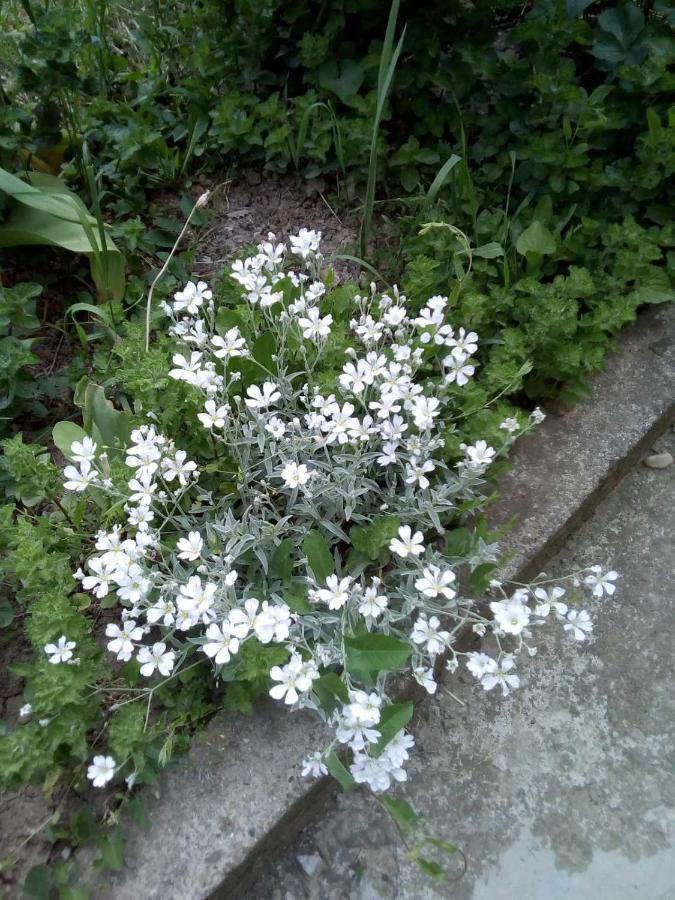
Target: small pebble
(310, 864)
(659, 460)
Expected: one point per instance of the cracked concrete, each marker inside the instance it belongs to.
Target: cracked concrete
(565, 789)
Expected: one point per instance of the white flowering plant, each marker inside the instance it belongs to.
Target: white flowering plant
(318, 528)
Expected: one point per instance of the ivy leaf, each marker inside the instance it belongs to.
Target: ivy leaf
(319, 558)
(392, 719)
(536, 239)
(344, 81)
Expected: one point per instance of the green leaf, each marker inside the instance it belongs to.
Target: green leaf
(112, 852)
(6, 612)
(371, 653)
(295, 597)
(38, 883)
(536, 239)
(319, 558)
(401, 812)
(431, 868)
(343, 79)
(264, 350)
(338, 771)
(441, 177)
(65, 433)
(330, 689)
(281, 564)
(490, 250)
(227, 318)
(372, 538)
(392, 719)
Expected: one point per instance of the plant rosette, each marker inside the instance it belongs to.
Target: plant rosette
(319, 521)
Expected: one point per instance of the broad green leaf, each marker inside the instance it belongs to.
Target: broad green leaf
(281, 564)
(319, 558)
(112, 852)
(64, 433)
(264, 350)
(536, 239)
(338, 771)
(227, 318)
(295, 597)
(38, 883)
(368, 654)
(330, 689)
(392, 719)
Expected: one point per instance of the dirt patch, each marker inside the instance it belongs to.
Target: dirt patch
(244, 213)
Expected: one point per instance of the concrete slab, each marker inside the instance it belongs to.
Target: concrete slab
(566, 789)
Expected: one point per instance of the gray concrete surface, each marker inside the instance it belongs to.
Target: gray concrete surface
(566, 789)
(565, 467)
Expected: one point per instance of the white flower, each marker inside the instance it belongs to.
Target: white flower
(510, 425)
(61, 651)
(261, 399)
(190, 547)
(436, 582)
(314, 766)
(123, 638)
(372, 604)
(191, 297)
(425, 677)
(376, 773)
(549, 600)
(102, 570)
(425, 631)
(83, 451)
(479, 455)
(25, 710)
(306, 243)
(179, 467)
(132, 584)
(186, 369)
(579, 623)
(480, 664)
(197, 599)
(416, 472)
(601, 584)
(233, 344)
(313, 326)
(407, 543)
(396, 750)
(501, 675)
(537, 415)
(295, 475)
(276, 427)
(459, 370)
(364, 707)
(79, 479)
(214, 416)
(464, 344)
(221, 644)
(294, 677)
(512, 616)
(101, 770)
(336, 592)
(424, 411)
(156, 657)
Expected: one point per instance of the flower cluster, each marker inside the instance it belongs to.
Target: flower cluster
(318, 521)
